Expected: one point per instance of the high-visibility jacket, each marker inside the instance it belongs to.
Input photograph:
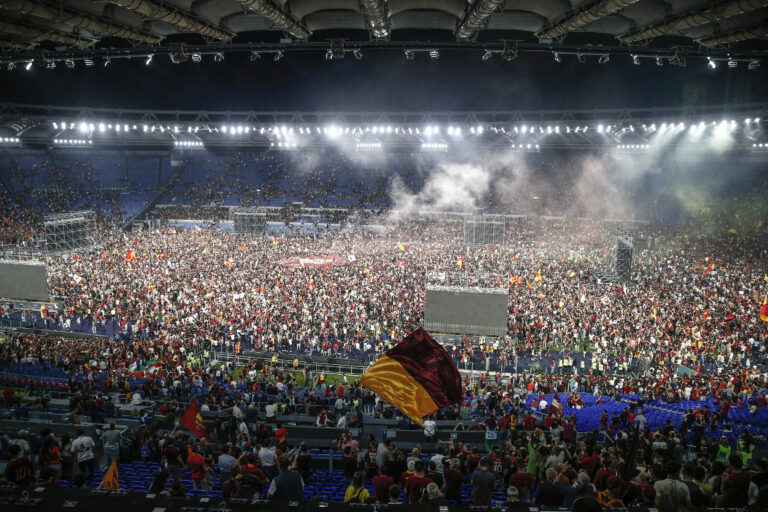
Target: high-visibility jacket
(746, 453)
(723, 452)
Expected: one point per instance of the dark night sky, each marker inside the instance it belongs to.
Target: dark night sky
(385, 80)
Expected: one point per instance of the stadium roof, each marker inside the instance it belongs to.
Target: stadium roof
(25, 24)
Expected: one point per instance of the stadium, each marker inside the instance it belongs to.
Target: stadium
(367, 254)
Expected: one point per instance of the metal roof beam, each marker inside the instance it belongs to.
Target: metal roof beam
(26, 31)
(577, 19)
(476, 18)
(376, 14)
(754, 32)
(77, 19)
(277, 16)
(175, 17)
(690, 20)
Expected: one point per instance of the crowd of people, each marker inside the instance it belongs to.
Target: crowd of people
(169, 298)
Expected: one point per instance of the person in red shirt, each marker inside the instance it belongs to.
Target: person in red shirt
(381, 485)
(248, 466)
(416, 482)
(197, 469)
(529, 422)
(522, 481)
(371, 468)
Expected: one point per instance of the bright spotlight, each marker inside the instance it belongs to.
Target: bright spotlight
(659, 61)
(149, 59)
(434, 54)
(480, 129)
(102, 127)
(636, 60)
(557, 57)
(600, 128)
(711, 63)
(29, 65)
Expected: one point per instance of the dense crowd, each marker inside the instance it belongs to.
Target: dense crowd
(171, 295)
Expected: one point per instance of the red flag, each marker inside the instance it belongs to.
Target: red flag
(193, 421)
(130, 256)
(709, 268)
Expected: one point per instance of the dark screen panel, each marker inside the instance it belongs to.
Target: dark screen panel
(25, 281)
(464, 312)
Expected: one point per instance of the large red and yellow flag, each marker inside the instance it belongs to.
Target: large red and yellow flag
(130, 255)
(764, 310)
(460, 262)
(417, 376)
(403, 247)
(109, 482)
(538, 277)
(193, 421)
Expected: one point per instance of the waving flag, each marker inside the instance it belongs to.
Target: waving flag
(764, 310)
(403, 247)
(417, 376)
(109, 482)
(460, 262)
(193, 421)
(538, 277)
(130, 256)
(709, 268)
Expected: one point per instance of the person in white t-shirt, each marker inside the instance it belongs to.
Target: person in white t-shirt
(430, 428)
(82, 448)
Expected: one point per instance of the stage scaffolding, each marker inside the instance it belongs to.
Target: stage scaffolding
(618, 246)
(249, 221)
(484, 230)
(68, 232)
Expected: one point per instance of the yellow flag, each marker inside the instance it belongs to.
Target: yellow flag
(109, 482)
